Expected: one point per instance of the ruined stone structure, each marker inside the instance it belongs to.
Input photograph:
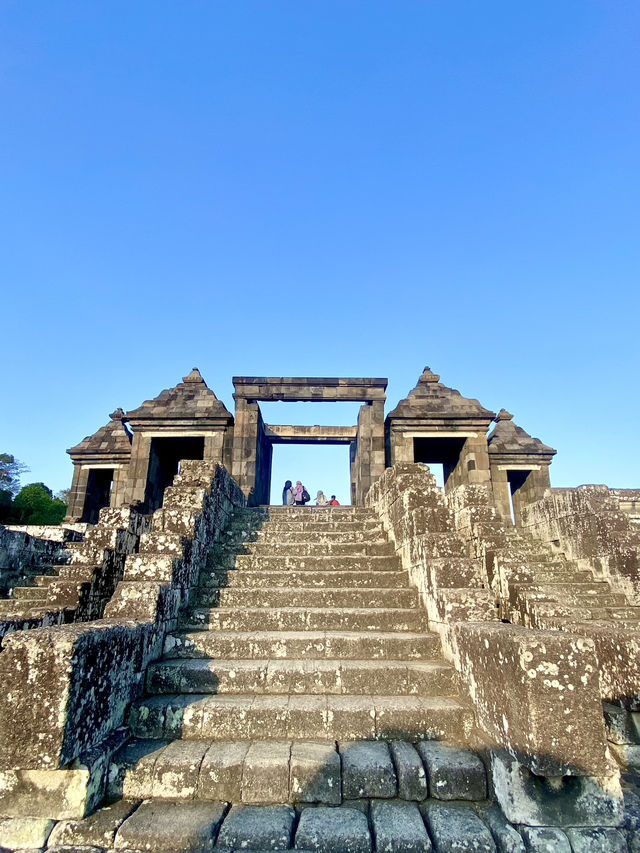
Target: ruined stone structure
(437, 669)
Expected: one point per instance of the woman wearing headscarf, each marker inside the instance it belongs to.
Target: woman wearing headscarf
(298, 493)
(287, 494)
(320, 499)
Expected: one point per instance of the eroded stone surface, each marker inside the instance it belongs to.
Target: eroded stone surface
(456, 829)
(543, 839)
(327, 830)
(367, 770)
(178, 827)
(454, 774)
(398, 828)
(257, 827)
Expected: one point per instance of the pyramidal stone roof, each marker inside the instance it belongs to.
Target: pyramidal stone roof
(191, 399)
(111, 439)
(508, 437)
(431, 398)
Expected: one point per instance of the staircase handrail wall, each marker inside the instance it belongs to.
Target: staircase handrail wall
(67, 688)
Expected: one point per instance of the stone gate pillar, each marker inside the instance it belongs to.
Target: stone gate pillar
(245, 444)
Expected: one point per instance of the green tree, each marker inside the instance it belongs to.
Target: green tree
(35, 504)
(10, 471)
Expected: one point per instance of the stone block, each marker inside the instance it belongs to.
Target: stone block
(24, 833)
(257, 828)
(315, 775)
(546, 839)
(176, 770)
(367, 770)
(621, 728)
(538, 695)
(398, 828)
(265, 772)
(131, 771)
(171, 827)
(571, 800)
(456, 829)
(597, 840)
(97, 830)
(454, 774)
(55, 794)
(221, 772)
(506, 837)
(412, 779)
(333, 830)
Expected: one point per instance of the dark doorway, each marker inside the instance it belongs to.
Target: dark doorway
(98, 493)
(439, 451)
(164, 458)
(516, 480)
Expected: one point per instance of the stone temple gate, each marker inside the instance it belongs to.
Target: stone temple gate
(135, 456)
(186, 669)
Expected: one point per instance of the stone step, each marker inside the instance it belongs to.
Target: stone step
(314, 564)
(305, 548)
(250, 579)
(313, 677)
(268, 535)
(29, 593)
(300, 525)
(279, 597)
(623, 612)
(311, 645)
(295, 771)
(300, 717)
(562, 576)
(577, 588)
(613, 599)
(309, 513)
(305, 618)
(45, 580)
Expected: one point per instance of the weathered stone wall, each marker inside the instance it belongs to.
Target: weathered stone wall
(536, 694)
(589, 526)
(68, 687)
(452, 585)
(29, 550)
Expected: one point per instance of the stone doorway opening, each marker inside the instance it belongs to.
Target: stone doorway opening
(164, 459)
(324, 467)
(254, 438)
(442, 454)
(98, 494)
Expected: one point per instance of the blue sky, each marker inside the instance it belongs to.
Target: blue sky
(322, 188)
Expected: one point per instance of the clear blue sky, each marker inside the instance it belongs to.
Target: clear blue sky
(322, 188)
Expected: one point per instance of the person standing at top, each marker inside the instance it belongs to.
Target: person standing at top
(333, 501)
(287, 494)
(320, 499)
(300, 494)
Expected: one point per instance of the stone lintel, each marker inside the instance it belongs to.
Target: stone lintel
(309, 389)
(296, 434)
(179, 428)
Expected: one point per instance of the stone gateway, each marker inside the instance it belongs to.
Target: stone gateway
(186, 668)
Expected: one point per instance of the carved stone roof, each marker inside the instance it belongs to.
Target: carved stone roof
(431, 399)
(110, 440)
(509, 438)
(190, 400)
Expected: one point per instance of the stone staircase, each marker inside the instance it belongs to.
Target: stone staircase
(553, 589)
(303, 632)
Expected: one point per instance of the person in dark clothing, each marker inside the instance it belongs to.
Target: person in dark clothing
(287, 494)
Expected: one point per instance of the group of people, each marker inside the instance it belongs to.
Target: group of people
(298, 496)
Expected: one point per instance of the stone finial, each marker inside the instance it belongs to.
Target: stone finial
(429, 376)
(503, 415)
(118, 415)
(194, 376)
